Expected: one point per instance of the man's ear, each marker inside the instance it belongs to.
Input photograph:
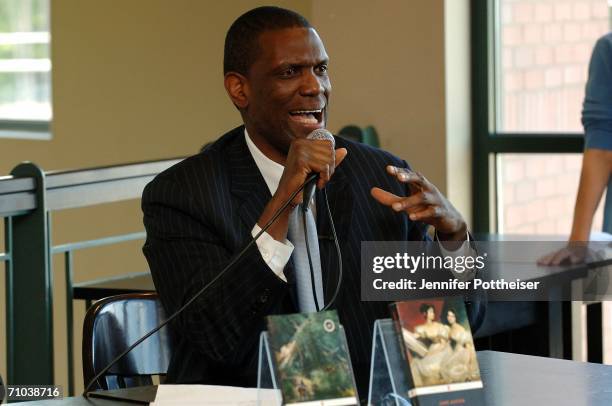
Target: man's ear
(237, 88)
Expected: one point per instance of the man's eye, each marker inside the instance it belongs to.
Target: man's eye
(322, 68)
(289, 72)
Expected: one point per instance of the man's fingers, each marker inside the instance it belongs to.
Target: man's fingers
(397, 203)
(430, 212)
(411, 202)
(384, 197)
(325, 167)
(340, 155)
(324, 176)
(407, 176)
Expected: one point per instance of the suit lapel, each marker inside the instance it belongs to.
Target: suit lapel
(247, 183)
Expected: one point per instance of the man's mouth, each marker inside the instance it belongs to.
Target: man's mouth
(311, 117)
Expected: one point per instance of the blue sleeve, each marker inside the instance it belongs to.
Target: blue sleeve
(597, 107)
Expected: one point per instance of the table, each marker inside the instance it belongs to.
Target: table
(509, 379)
(570, 278)
(142, 282)
(100, 288)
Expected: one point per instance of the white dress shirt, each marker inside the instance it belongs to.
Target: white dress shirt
(276, 254)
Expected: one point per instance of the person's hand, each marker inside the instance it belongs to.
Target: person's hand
(573, 253)
(425, 204)
(304, 158)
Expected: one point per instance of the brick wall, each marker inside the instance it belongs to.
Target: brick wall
(544, 54)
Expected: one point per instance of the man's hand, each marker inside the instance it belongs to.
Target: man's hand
(304, 158)
(425, 204)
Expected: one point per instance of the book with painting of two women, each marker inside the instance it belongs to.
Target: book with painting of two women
(437, 345)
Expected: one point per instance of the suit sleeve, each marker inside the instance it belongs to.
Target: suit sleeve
(185, 253)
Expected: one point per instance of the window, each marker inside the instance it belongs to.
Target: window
(533, 57)
(25, 69)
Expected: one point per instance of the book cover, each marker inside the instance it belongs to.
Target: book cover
(311, 359)
(438, 347)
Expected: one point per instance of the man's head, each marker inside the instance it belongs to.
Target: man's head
(242, 39)
(275, 68)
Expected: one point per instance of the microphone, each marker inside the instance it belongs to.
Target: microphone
(309, 189)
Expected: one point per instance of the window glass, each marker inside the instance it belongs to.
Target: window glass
(25, 65)
(543, 51)
(537, 193)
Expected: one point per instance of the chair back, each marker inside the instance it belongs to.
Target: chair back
(113, 324)
(367, 135)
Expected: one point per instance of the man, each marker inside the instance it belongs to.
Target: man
(203, 211)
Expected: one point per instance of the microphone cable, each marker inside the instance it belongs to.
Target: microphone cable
(338, 254)
(232, 262)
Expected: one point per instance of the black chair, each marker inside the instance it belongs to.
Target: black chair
(114, 323)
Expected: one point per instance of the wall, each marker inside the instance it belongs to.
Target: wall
(458, 105)
(387, 58)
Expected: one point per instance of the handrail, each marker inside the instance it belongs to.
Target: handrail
(99, 242)
(80, 188)
(87, 187)
(73, 177)
(17, 195)
(27, 198)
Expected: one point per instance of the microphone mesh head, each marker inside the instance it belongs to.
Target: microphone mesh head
(322, 134)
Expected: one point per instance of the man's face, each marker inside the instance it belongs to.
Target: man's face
(288, 87)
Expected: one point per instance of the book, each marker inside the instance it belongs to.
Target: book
(437, 345)
(311, 359)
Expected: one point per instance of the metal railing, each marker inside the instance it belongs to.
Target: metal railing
(27, 199)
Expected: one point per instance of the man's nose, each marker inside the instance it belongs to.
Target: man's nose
(312, 84)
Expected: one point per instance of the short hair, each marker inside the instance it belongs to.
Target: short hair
(450, 310)
(242, 38)
(425, 307)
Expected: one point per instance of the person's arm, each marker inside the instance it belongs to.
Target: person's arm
(597, 122)
(596, 169)
(597, 158)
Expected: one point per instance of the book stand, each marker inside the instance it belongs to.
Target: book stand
(388, 381)
(266, 374)
(267, 377)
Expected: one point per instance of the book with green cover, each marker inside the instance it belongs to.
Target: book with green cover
(311, 359)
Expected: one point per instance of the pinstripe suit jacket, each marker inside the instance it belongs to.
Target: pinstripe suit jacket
(200, 212)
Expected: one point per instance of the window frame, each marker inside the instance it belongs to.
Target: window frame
(25, 129)
(487, 141)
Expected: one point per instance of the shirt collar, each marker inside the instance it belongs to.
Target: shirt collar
(270, 170)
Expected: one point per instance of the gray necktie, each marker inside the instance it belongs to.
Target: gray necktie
(306, 300)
